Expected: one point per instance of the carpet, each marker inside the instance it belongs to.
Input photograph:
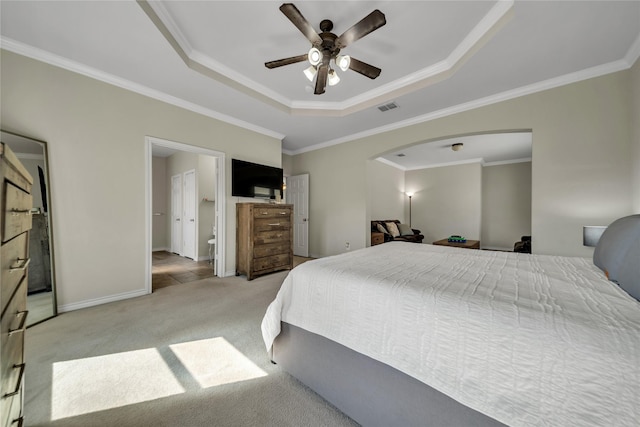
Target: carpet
(186, 355)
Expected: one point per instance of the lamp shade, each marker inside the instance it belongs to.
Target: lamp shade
(310, 72)
(334, 79)
(591, 234)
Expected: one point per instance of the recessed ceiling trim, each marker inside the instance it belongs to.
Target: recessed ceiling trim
(67, 64)
(197, 61)
(578, 76)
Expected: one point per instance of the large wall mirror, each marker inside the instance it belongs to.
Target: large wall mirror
(41, 295)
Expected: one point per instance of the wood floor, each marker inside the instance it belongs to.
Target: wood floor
(170, 269)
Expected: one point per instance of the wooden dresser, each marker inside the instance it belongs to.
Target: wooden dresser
(264, 238)
(15, 208)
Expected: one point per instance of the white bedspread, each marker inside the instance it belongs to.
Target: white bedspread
(530, 340)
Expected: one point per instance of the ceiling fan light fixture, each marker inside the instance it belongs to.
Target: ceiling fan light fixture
(334, 79)
(314, 56)
(310, 72)
(343, 62)
(457, 146)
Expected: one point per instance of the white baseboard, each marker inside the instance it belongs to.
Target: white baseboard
(101, 300)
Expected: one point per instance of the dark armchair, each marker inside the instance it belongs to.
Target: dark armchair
(523, 246)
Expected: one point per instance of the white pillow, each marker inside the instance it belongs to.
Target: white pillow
(393, 229)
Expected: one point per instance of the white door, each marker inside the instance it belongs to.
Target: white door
(189, 209)
(176, 214)
(298, 196)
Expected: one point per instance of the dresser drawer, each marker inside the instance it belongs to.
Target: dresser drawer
(271, 212)
(11, 410)
(272, 249)
(268, 224)
(17, 214)
(14, 266)
(266, 237)
(270, 262)
(12, 329)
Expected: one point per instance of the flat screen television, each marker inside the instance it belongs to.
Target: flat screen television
(254, 180)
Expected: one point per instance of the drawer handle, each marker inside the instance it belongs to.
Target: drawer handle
(275, 224)
(20, 421)
(21, 327)
(265, 212)
(25, 264)
(283, 213)
(17, 390)
(16, 212)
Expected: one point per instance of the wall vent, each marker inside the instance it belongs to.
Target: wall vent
(387, 107)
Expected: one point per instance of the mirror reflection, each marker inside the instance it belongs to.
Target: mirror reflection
(41, 301)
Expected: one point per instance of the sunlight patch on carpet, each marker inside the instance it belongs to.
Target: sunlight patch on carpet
(93, 384)
(215, 361)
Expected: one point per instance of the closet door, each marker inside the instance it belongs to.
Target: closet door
(176, 214)
(189, 224)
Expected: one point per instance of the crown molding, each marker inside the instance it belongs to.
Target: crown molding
(76, 67)
(486, 27)
(507, 162)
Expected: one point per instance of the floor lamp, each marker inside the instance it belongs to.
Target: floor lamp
(410, 196)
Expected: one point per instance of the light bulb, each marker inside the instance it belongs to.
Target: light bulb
(343, 62)
(314, 56)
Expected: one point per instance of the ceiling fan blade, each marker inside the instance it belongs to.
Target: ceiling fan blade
(285, 61)
(301, 23)
(364, 68)
(321, 79)
(368, 24)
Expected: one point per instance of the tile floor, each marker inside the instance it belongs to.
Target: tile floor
(171, 269)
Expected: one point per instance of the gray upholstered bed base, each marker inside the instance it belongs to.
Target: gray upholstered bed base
(370, 392)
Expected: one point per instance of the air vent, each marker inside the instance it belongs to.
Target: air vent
(387, 107)
(401, 155)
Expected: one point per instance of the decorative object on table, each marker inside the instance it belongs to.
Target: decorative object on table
(456, 239)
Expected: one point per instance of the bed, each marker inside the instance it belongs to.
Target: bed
(405, 334)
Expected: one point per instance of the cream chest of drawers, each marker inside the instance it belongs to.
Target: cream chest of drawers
(264, 238)
(15, 208)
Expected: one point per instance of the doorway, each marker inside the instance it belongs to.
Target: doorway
(218, 216)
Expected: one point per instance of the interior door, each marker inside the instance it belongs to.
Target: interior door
(176, 214)
(189, 224)
(298, 196)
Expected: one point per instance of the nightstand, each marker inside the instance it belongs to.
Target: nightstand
(376, 238)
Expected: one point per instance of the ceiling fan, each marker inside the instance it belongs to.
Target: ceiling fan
(326, 46)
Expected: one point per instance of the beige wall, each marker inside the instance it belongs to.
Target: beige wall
(447, 200)
(386, 192)
(160, 205)
(96, 141)
(635, 125)
(287, 164)
(581, 167)
(506, 204)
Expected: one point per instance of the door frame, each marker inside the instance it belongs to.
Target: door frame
(221, 202)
